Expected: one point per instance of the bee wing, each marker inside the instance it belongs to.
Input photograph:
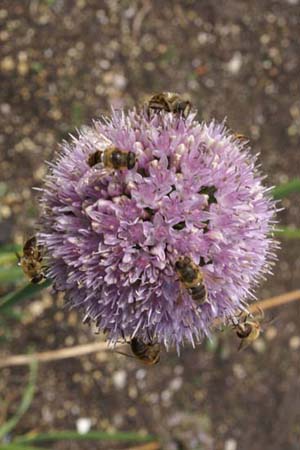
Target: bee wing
(125, 354)
(243, 345)
(258, 313)
(270, 321)
(100, 141)
(29, 244)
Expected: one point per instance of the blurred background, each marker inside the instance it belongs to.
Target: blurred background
(63, 63)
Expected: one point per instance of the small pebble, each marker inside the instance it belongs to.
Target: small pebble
(271, 333)
(294, 342)
(7, 64)
(83, 425)
(5, 108)
(259, 346)
(119, 379)
(230, 444)
(166, 396)
(140, 374)
(235, 64)
(239, 371)
(176, 384)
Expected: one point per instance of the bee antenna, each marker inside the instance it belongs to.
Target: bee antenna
(234, 321)
(124, 337)
(124, 354)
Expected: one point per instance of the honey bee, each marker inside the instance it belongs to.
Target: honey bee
(191, 277)
(147, 353)
(31, 261)
(169, 102)
(112, 158)
(241, 137)
(248, 330)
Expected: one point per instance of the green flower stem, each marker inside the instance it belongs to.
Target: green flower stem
(288, 233)
(28, 291)
(285, 189)
(92, 435)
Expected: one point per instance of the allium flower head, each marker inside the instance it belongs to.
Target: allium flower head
(113, 236)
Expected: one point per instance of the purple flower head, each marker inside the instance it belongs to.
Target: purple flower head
(113, 237)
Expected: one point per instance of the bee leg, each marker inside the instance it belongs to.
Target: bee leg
(240, 314)
(18, 258)
(151, 340)
(197, 309)
(244, 344)
(261, 313)
(124, 338)
(124, 354)
(234, 321)
(86, 320)
(241, 345)
(246, 318)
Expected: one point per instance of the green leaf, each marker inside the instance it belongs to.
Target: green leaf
(77, 114)
(5, 331)
(11, 314)
(9, 300)
(13, 446)
(92, 435)
(3, 189)
(285, 189)
(10, 248)
(37, 66)
(25, 402)
(288, 233)
(212, 343)
(10, 274)
(8, 258)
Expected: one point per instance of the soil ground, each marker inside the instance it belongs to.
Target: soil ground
(62, 63)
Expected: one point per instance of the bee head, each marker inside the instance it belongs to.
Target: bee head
(182, 262)
(179, 265)
(186, 108)
(131, 160)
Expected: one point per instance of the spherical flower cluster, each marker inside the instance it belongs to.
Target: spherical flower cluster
(112, 237)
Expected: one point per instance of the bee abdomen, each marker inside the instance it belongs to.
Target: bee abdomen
(131, 160)
(158, 103)
(94, 158)
(139, 348)
(199, 293)
(148, 353)
(244, 331)
(38, 278)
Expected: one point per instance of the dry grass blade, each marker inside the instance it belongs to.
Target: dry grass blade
(150, 446)
(274, 302)
(54, 355)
